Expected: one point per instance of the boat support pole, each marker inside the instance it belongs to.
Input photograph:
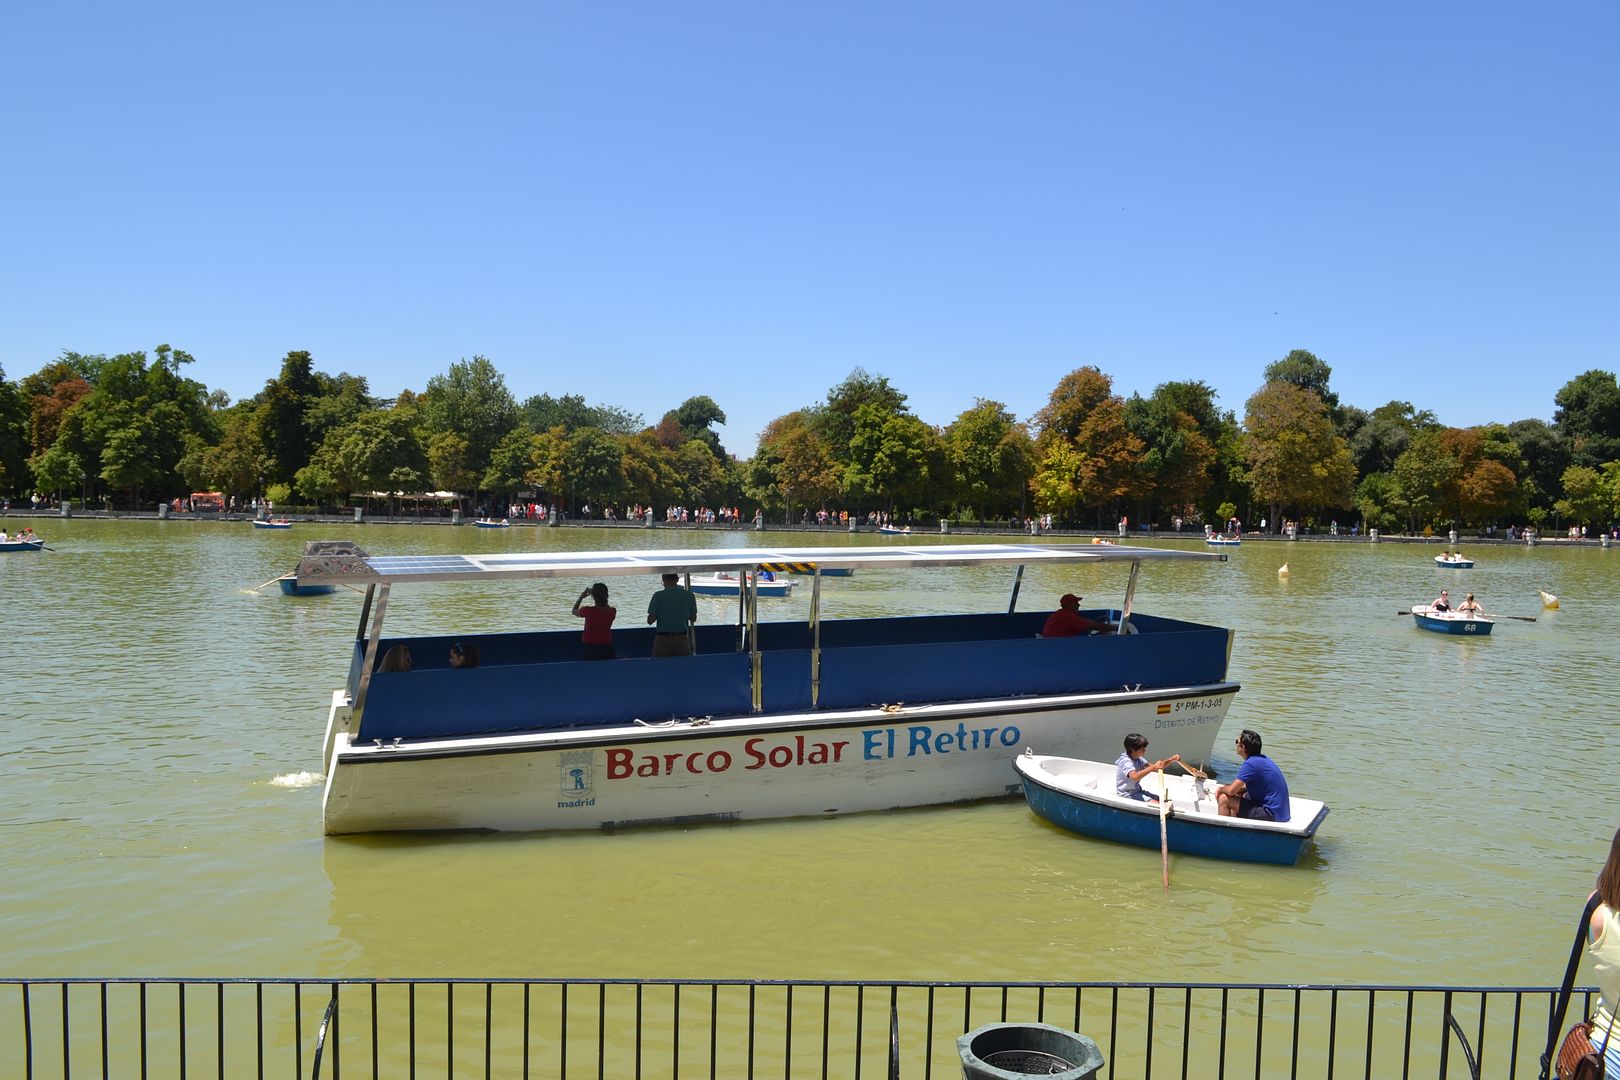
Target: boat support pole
(742, 613)
(815, 638)
(751, 584)
(1018, 581)
(691, 628)
(1130, 595)
(357, 706)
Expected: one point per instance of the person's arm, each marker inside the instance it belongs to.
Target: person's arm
(583, 593)
(1595, 927)
(652, 610)
(1155, 766)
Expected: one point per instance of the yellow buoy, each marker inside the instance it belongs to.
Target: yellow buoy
(1282, 571)
(1548, 600)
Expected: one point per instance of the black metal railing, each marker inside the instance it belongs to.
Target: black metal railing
(611, 1029)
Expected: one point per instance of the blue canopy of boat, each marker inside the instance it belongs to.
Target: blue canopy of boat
(342, 562)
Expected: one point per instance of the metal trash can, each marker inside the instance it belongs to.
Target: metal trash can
(455, 516)
(359, 514)
(1010, 1051)
(163, 511)
(66, 508)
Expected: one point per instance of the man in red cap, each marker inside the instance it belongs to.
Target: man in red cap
(1067, 621)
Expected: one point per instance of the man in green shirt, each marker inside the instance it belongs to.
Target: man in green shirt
(670, 611)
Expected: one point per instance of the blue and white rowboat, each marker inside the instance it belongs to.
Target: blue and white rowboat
(483, 523)
(21, 545)
(1079, 796)
(282, 524)
(1222, 541)
(1454, 563)
(1450, 622)
(291, 587)
(727, 585)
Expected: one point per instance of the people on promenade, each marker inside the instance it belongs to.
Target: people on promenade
(671, 612)
(1131, 766)
(463, 656)
(1442, 602)
(1469, 606)
(396, 659)
(1067, 621)
(598, 636)
(1603, 947)
(1259, 792)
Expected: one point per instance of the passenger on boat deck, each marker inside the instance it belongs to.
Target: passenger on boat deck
(396, 659)
(1131, 766)
(463, 656)
(1603, 946)
(598, 622)
(1469, 606)
(3, 537)
(1259, 792)
(1441, 602)
(1067, 621)
(670, 611)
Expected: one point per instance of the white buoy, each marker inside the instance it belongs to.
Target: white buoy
(1548, 600)
(1282, 571)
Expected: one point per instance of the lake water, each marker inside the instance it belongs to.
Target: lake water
(161, 734)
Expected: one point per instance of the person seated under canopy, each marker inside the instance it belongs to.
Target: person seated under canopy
(1067, 621)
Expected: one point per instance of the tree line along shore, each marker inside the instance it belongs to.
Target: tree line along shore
(127, 431)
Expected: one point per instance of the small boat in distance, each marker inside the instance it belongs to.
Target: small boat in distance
(723, 584)
(491, 523)
(1450, 622)
(278, 523)
(1079, 796)
(1223, 541)
(894, 530)
(22, 545)
(1453, 560)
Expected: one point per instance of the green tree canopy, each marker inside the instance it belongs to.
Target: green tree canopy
(1295, 458)
(1588, 418)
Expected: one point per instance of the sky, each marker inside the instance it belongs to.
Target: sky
(640, 202)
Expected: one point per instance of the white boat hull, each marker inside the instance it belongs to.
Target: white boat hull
(796, 765)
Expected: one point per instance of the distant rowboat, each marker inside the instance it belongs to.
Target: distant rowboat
(281, 523)
(1450, 622)
(485, 523)
(1454, 562)
(727, 585)
(1223, 541)
(22, 545)
(291, 587)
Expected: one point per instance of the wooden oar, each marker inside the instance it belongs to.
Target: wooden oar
(1193, 770)
(1521, 618)
(272, 581)
(1164, 827)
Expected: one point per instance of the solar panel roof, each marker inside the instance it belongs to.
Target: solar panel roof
(340, 562)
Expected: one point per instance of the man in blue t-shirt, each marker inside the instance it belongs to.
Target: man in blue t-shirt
(1259, 791)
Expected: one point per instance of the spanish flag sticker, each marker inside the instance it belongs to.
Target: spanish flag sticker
(1164, 708)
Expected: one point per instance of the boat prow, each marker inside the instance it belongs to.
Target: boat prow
(1078, 795)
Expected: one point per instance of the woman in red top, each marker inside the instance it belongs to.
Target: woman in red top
(598, 623)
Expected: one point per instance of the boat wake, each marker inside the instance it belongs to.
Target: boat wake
(297, 780)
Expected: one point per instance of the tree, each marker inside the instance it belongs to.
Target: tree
(1385, 434)
(57, 469)
(888, 456)
(470, 400)
(1294, 456)
(1308, 372)
(694, 418)
(1487, 492)
(991, 459)
(1179, 455)
(702, 474)
(379, 450)
(595, 466)
(1422, 474)
(570, 412)
(447, 462)
(14, 474)
(1588, 418)
(834, 422)
(282, 404)
(1587, 500)
(1084, 444)
(1545, 459)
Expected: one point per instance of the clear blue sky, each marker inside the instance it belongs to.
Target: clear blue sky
(638, 202)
